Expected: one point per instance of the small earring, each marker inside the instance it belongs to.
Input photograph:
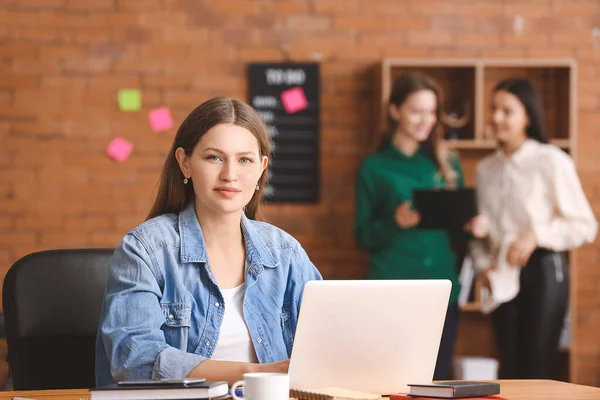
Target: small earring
(257, 187)
(185, 180)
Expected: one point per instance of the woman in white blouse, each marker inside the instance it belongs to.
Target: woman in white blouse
(535, 207)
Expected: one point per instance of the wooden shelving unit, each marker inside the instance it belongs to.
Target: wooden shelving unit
(470, 81)
(467, 144)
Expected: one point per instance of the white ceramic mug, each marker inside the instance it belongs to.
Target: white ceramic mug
(263, 386)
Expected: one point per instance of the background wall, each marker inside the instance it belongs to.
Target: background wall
(62, 62)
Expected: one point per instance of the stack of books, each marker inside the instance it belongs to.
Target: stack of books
(158, 391)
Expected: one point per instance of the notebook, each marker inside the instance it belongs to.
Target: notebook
(206, 390)
(408, 397)
(333, 393)
(445, 208)
(454, 390)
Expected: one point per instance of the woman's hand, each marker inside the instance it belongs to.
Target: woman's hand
(520, 250)
(485, 279)
(405, 217)
(477, 226)
(232, 371)
(279, 366)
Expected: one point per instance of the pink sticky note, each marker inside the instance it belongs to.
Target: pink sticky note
(160, 119)
(294, 100)
(119, 149)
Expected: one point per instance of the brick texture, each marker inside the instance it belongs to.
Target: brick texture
(63, 61)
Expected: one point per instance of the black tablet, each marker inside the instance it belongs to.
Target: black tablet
(445, 208)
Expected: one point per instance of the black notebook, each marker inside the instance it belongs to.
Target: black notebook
(445, 208)
(455, 389)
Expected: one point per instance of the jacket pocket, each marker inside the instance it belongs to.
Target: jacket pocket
(286, 328)
(178, 318)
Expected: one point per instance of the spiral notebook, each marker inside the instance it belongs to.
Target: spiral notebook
(332, 393)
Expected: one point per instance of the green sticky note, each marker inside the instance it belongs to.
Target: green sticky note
(130, 100)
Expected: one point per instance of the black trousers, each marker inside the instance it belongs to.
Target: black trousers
(528, 327)
(443, 366)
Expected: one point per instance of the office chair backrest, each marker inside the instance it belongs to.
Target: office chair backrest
(52, 302)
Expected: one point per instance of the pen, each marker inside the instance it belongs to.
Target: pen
(240, 393)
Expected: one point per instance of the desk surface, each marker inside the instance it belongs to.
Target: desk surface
(511, 389)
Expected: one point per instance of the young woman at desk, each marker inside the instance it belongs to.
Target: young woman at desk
(411, 156)
(201, 289)
(536, 209)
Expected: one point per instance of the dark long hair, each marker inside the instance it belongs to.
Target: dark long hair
(404, 86)
(524, 90)
(173, 196)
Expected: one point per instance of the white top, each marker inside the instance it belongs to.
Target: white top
(536, 188)
(235, 343)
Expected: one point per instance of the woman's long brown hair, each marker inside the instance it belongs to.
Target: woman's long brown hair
(404, 86)
(173, 195)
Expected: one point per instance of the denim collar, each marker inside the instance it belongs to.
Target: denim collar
(193, 248)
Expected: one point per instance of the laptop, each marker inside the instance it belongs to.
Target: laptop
(373, 336)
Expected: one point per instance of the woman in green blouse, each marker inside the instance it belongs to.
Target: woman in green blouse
(411, 156)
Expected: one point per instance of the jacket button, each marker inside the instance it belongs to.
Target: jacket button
(171, 316)
(208, 343)
(259, 340)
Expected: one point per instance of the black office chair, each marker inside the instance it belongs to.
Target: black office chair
(52, 302)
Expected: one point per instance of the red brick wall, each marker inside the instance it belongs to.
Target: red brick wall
(62, 62)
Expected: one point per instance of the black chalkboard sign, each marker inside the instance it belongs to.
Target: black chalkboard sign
(287, 96)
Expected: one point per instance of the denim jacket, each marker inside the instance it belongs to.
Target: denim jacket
(163, 309)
